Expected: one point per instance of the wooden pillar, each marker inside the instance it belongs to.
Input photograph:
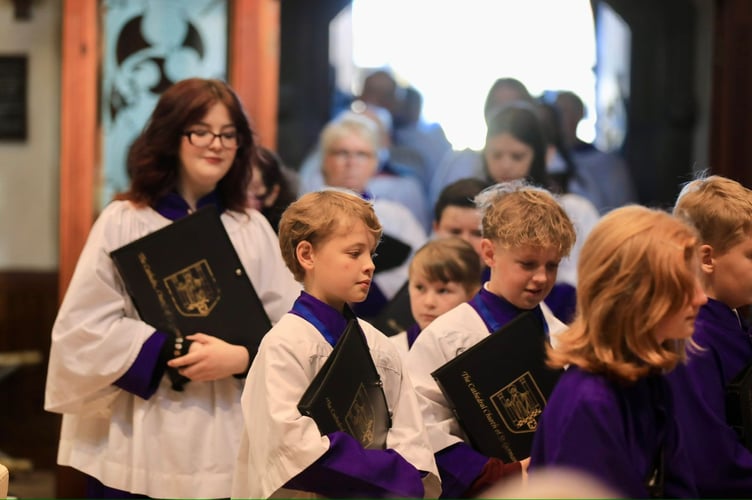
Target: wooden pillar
(78, 150)
(78, 130)
(254, 63)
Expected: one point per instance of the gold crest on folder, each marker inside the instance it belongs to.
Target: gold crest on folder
(361, 418)
(519, 404)
(193, 289)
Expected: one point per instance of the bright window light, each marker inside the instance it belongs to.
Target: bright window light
(453, 51)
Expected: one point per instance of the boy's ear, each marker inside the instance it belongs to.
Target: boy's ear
(707, 260)
(304, 254)
(487, 251)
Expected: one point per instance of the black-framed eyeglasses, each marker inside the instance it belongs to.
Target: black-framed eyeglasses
(204, 138)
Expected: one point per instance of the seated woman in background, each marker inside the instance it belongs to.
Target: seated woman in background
(392, 180)
(349, 155)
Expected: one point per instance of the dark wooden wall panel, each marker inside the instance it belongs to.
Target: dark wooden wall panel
(28, 305)
(731, 121)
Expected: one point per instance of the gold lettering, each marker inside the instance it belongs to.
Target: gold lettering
(169, 317)
(333, 413)
(488, 413)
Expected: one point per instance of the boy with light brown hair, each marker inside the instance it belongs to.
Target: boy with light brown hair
(525, 235)
(327, 240)
(721, 211)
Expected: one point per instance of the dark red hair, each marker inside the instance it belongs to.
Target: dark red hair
(153, 160)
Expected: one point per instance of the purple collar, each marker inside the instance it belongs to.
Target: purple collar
(328, 321)
(721, 314)
(173, 206)
(497, 311)
(412, 334)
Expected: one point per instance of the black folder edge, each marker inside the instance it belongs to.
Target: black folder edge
(390, 253)
(316, 386)
(396, 316)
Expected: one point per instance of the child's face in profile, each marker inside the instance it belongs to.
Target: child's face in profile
(524, 275)
(342, 265)
(430, 299)
(681, 324)
(730, 281)
(463, 222)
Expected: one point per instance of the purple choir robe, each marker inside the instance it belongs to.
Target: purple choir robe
(722, 465)
(613, 432)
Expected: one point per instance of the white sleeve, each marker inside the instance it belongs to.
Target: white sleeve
(425, 356)
(96, 336)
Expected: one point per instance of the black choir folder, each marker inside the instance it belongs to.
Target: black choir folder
(187, 278)
(498, 388)
(396, 316)
(347, 394)
(390, 253)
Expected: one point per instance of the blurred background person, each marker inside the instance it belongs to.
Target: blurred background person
(272, 186)
(349, 152)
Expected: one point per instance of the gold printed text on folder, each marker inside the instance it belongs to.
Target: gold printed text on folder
(488, 413)
(169, 316)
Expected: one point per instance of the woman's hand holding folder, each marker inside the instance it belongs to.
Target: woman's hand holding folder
(210, 358)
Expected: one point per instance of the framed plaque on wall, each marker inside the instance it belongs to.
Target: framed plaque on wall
(13, 85)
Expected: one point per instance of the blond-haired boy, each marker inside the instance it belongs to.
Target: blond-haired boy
(721, 211)
(327, 239)
(525, 235)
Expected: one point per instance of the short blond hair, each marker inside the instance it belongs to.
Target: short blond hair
(517, 214)
(719, 208)
(316, 217)
(636, 266)
(449, 259)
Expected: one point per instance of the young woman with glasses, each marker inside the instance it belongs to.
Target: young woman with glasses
(123, 424)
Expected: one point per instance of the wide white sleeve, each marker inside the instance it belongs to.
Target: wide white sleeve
(96, 336)
(426, 355)
(278, 442)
